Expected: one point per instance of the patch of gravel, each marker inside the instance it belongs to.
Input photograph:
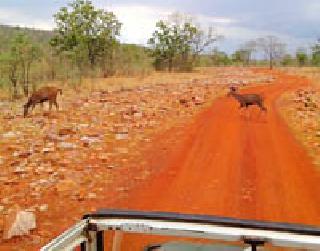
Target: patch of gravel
(301, 109)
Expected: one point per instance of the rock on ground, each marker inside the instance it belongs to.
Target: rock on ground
(18, 222)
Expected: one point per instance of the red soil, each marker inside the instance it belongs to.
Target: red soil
(230, 165)
(225, 164)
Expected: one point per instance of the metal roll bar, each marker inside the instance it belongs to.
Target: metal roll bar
(89, 231)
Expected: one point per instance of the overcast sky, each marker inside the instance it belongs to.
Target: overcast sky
(296, 22)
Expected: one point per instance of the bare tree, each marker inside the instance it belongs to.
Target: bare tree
(202, 39)
(248, 49)
(272, 47)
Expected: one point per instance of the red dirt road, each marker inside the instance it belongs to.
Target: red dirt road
(232, 166)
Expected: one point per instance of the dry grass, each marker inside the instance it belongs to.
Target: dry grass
(115, 83)
(118, 82)
(313, 73)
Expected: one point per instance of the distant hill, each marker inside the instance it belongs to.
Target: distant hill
(8, 32)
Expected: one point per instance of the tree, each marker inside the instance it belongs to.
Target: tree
(176, 43)
(52, 60)
(247, 50)
(202, 40)
(287, 60)
(27, 54)
(86, 34)
(316, 53)
(302, 57)
(219, 58)
(10, 63)
(18, 60)
(170, 41)
(240, 57)
(131, 59)
(272, 47)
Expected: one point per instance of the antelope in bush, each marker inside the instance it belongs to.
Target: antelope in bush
(246, 100)
(42, 95)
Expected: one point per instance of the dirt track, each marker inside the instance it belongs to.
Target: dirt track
(232, 166)
(223, 164)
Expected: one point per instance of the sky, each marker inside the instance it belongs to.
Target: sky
(295, 22)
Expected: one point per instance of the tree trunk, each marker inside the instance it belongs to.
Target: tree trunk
(170, 64)
(26, 91)
(24, 83)
(52, 70)
(14, 80)
(91, 56)
(271, 62)
(248, 59)
(15, 89)
(53, 73)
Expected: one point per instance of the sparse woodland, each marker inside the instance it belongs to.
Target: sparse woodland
(85, 44)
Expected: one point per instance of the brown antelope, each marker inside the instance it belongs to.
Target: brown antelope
(42, 95)
(246, 100)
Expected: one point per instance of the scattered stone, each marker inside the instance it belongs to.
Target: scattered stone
(83, 125)
(121, 136)
(104, 156)
(197, 101)
(138, 115)
(67, 145)
(122, 189)
(66, 185)
(20, 170)
(66, 131)
(36, 240)
(5, 201)
(53, 137)
(18, 223)
(48, 149)
(11, 182)
(183, 102)
(302, 111)
(24, 155)
(122, 150)
(43, 208)
(87, 141)
(9, 135)
(92, 195)
(15, 154)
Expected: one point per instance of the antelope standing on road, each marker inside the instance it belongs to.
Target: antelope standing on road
(246, 100)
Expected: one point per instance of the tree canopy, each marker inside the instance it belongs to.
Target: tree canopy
(176, 43)
(87, 33)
